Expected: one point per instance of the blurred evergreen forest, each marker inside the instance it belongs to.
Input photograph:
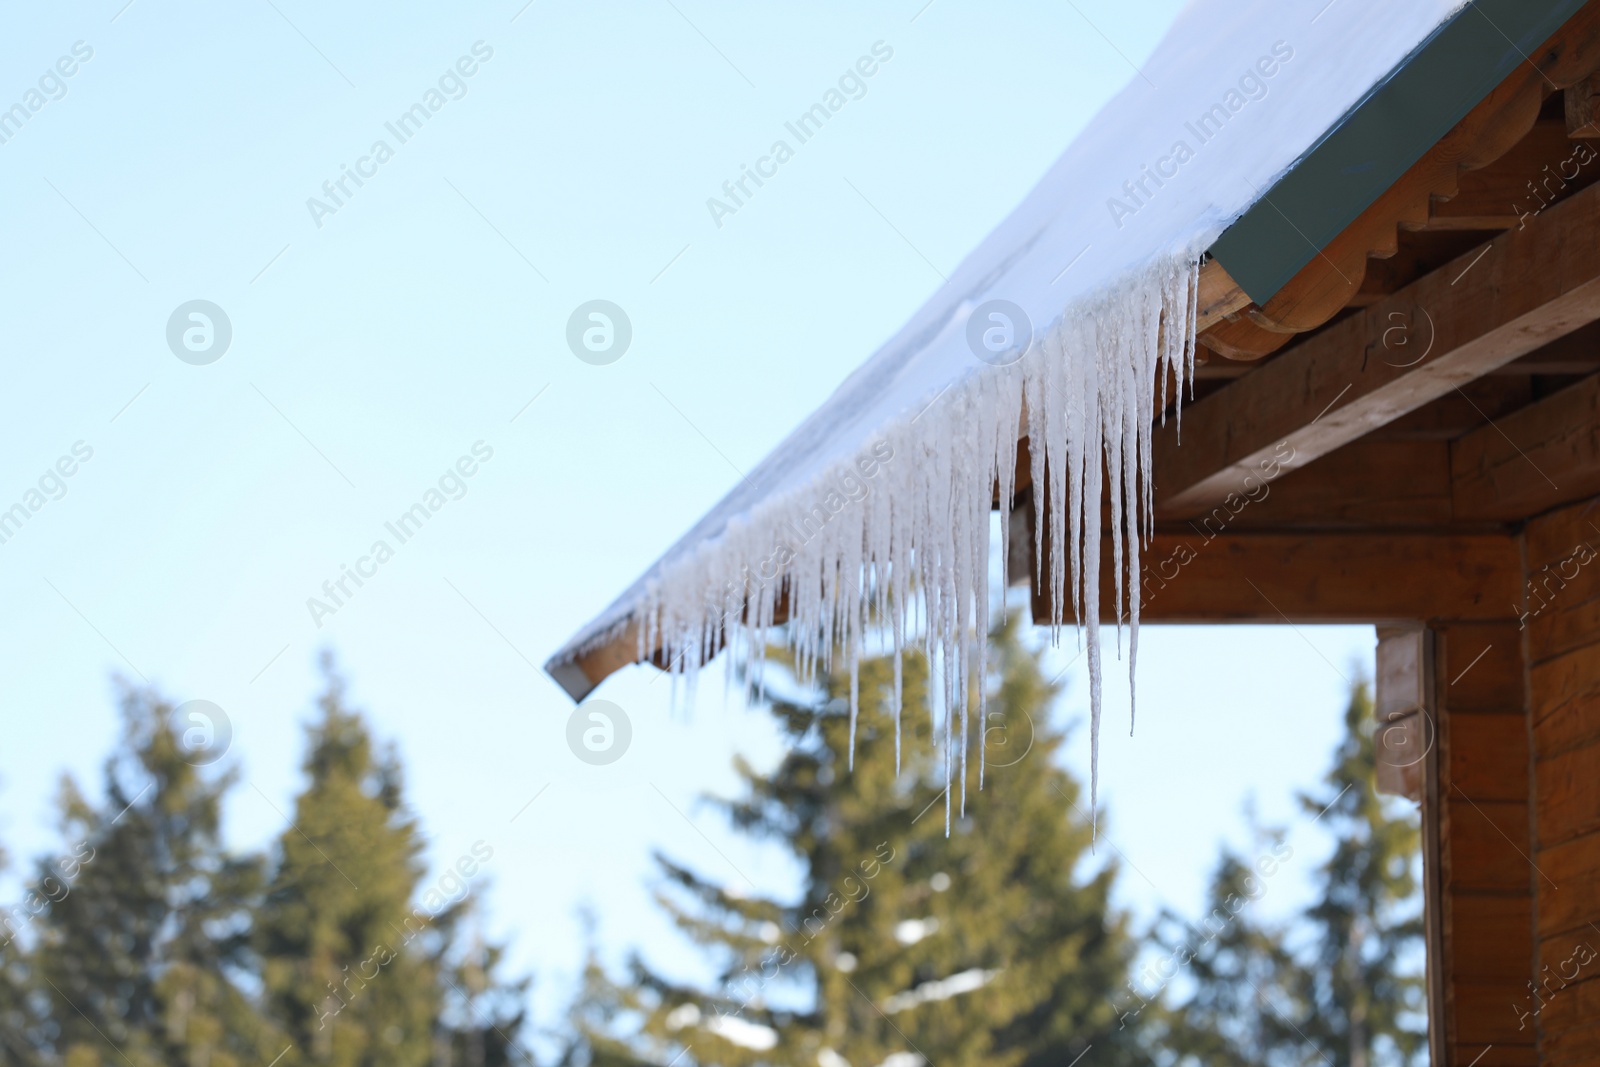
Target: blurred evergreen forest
(144, 941)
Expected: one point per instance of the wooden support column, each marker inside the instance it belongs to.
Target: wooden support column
(1484, 880)
(1562, 638)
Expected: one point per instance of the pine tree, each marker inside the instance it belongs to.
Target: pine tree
(21, 1037)
(983, 947)
(361, 962)
(1349, 997)
(147, 913)
(482, 1014)
(1245, 1006)
(1365, 1001)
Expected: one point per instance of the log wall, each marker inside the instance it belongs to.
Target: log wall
(1561, 638)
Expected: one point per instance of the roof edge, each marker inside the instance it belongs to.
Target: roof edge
(1381, 137)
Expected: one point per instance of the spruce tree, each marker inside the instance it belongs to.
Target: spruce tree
(1338, 985)
(332, 929)
(1244, 1006)
(21, 1036)
(147, 914)
(362, 962)
(983, 947)
(482, 1014)
(1366, 998)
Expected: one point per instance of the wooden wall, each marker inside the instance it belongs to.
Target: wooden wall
(1515, 629)
(1561, 639)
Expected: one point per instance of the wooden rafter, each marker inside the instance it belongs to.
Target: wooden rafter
(1525, 289)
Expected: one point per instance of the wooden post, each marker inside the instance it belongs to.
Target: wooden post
(1485, 880)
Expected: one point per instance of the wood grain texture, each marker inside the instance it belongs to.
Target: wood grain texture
(1530, 286)
(1532, 460)
(1488, 848)
(1480, 668)
(1485, 877)
(1322, 577)
(1568, 789)
(1563, 640)
(1217, 296)
(1575, 903)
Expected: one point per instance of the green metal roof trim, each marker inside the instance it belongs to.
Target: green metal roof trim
(1368, 150)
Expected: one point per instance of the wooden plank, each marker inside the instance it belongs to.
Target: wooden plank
(1417, 254)
(1582, 107)
(1578, 1046)
(1572, 724)
(1572, 677)
(1488, 758)
(1494, 1054)
(1569, 1017)
(1545, 455)
(1567, 788)
(1481, 668)
(1567, 962)
(1364, 484)
(1405, 730)
(1488, 847)
(1238, 338)
(1462, 410)
(1530, 286)
(1218, 296)
(1323, 577)
(1553, 537)
(1484, 1016)
(1571, 622)
(1561, 607)
(1493, 936)
(1485, 890)
(1574, 868)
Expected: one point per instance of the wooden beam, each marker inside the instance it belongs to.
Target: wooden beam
(1540, 457)
(1582, 106)
(1366, 485)
(580, 676)
(1524, 289)
(1190, 577)
(1219, 296)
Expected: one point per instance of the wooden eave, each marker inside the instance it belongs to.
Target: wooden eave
(1483, 257)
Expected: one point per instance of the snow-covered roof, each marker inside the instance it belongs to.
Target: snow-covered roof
(889, 485)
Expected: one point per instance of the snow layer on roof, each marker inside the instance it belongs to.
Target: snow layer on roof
(878, 503)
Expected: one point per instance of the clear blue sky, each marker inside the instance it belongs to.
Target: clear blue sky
(370, 352)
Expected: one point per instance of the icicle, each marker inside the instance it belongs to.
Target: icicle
(897, 623)
(911, 557)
